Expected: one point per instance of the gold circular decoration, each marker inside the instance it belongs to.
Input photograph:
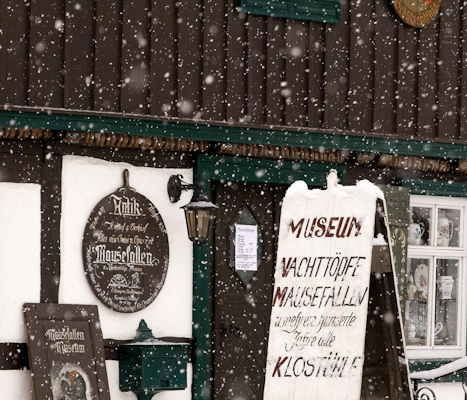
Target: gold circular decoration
(417, 13)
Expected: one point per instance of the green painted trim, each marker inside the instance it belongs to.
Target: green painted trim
(436, 188)
(215, 168)
(329, 11)
(228, 134)
(201, 354)
(426, 365)
(270, 171)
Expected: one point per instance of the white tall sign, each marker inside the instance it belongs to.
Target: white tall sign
(320, 299)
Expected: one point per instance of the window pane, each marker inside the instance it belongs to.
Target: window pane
(446, 315)
(448, 231)
(417, 301)
(419, 230)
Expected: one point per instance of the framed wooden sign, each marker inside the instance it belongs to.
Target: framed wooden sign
(126, 250)
(66, 352)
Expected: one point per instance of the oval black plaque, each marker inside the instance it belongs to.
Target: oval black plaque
(126, 250)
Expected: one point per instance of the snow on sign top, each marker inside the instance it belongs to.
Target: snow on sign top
(320, 297)
(300, 188)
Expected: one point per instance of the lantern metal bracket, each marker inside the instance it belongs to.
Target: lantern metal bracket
(176, 186)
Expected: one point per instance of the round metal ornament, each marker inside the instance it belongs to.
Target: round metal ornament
(125, 250)
(416, 13)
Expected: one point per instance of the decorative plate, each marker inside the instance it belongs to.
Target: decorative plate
(421, 280)
(417, 13)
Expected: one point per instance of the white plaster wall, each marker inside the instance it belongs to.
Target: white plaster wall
(85, 181)
(20, 233)
(16, 385)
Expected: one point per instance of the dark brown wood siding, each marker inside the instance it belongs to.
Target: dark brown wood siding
(202, 60)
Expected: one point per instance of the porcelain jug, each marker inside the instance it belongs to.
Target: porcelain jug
(445, 231)
(416, 231)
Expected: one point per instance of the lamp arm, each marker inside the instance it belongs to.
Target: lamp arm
(175, 186)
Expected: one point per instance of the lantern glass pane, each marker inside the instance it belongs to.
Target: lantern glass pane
(199, 224)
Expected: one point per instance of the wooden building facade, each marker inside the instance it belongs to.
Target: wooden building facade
(245, 104)
(204, 61)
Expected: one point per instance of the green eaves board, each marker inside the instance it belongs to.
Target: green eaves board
(311, 10)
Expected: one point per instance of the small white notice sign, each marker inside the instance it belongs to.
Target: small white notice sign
(246, 244)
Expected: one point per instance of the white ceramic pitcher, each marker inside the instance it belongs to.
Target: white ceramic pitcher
(416, 231)
(445, 230)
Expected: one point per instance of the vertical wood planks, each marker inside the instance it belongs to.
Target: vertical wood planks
(315, 74)
(203, 60)
(135, 56)
(407, 82)
(296, 90)
(337, 73)
(428, 82)
(14, 42)
(384, 111)
(163, 72)
(214, 61)
(256, 71)
(236, 53)
(107, 55)
(79, 51)
(449, 96)
(275, 52)
(463, 94)
(189, 58)
(46, 53)
(361, 74)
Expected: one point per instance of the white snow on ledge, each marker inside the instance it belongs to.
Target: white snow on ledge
(446, 369)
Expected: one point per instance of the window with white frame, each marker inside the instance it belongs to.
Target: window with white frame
(436, 291)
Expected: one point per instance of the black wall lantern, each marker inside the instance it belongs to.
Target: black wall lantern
(199, 212)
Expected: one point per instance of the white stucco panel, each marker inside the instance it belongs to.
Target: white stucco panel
(20, 248)
(16, 385)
